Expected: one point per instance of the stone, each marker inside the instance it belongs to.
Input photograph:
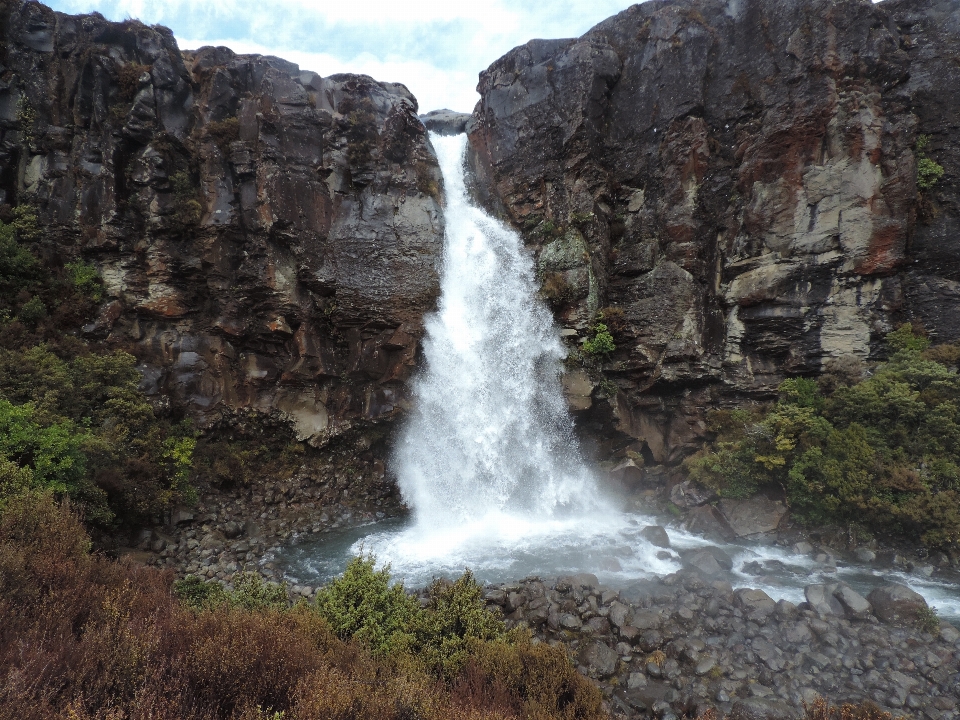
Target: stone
(755, 602)
(896, 603)
(753, 516)
(703, 561)
(821, 599)
(762, 709)
(802, 548)
(619, 614)
(854, 604)
(599, 660)
(707, 521)
(948, 633)
(865, 555)
(704, 666)
(446, 122)
(569, 621)
(656, 536)
(232, 530)
(688, 495)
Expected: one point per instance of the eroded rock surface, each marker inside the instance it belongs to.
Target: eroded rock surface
(269, 239)
(739, 180)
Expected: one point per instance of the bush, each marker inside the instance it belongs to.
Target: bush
(601, 343)
(929, 171)
(884, 451)
(361, 604)
(87, 638)
(85, 279)
(32, 312)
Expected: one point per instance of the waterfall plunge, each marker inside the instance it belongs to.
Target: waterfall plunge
(489, 434)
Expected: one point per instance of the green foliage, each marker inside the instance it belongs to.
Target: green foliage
(929, 171)
(32, 312)
(19, 269)
(224, 132)
(86, 431)
(581, 218)
(85, 279)
(884, 451)
(198, 594)
(453, 621)
(27, 119)
(362, 604)
(187, 209)
(927, 620)
(601, 344)
(251, 592)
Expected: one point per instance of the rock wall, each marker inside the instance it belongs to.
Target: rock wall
(269, 239)
(738, 178)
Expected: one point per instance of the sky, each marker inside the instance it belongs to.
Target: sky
(435, 47)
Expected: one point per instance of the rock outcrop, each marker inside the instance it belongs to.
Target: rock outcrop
(269, 239)
(737, 180)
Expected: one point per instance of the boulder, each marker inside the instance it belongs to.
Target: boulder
(762, 709)
(707, 521)
(854, 604)
(446, 122)
(702, 561)
(688, 494)
(752, 517)
(756, 603)
(821, 599)
(895, 603)
(656, 535)
(599, 660)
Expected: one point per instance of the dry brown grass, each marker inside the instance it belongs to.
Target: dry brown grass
(86, 638)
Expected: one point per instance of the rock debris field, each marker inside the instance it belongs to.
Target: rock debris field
(685, 643)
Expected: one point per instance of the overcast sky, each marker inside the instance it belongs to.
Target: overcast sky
(435, 47)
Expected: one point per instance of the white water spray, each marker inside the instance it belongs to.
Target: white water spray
(489, 433)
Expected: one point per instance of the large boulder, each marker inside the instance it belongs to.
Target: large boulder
(752, 517)
(896, 603)
(599, 660)
(446, 122)
(707, 521)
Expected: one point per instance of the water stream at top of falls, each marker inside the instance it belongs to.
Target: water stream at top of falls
(488, 461)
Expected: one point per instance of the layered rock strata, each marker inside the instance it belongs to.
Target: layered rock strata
(268, 238)
(737, 180)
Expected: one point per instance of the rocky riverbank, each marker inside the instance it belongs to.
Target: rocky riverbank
(686, 643)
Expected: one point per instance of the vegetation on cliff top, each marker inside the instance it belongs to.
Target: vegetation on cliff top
(85, 638)
(881, 452)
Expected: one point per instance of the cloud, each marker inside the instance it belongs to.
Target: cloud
(435, 47)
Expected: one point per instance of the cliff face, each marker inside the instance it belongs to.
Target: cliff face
(739, 179)
(268, 238)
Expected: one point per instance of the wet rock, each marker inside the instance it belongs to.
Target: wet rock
(752, 517)
(762, 709)
(854, 604)
(895, 603)
(688, 495)
(756, 603)
(232, 530)
(707, 521)
(599, 660)
(865, 555)
(703, 561)
(656, 536)
(446, 122)
(821, 599)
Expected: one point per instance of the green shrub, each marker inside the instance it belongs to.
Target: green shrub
(224, 132)
(601, 344)
(251, 592)
(198, 594)
(32, 312)
(929, 171)
(362, 604)
(455, 618)
(85, 279)
(882, 451)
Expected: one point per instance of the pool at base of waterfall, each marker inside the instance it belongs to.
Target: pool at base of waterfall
(502, 548)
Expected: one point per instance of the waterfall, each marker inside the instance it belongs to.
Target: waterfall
(489, 431)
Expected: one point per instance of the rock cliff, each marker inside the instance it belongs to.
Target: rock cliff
(736, 182)
(269, 239)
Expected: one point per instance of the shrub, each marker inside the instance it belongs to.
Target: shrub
(224, 132)
(929, 171)
(87, 638)
(601, 344)
(361, 604)
(882, 451)
(85, 279)
(32, 312)
(455, 617)
(128, 75)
